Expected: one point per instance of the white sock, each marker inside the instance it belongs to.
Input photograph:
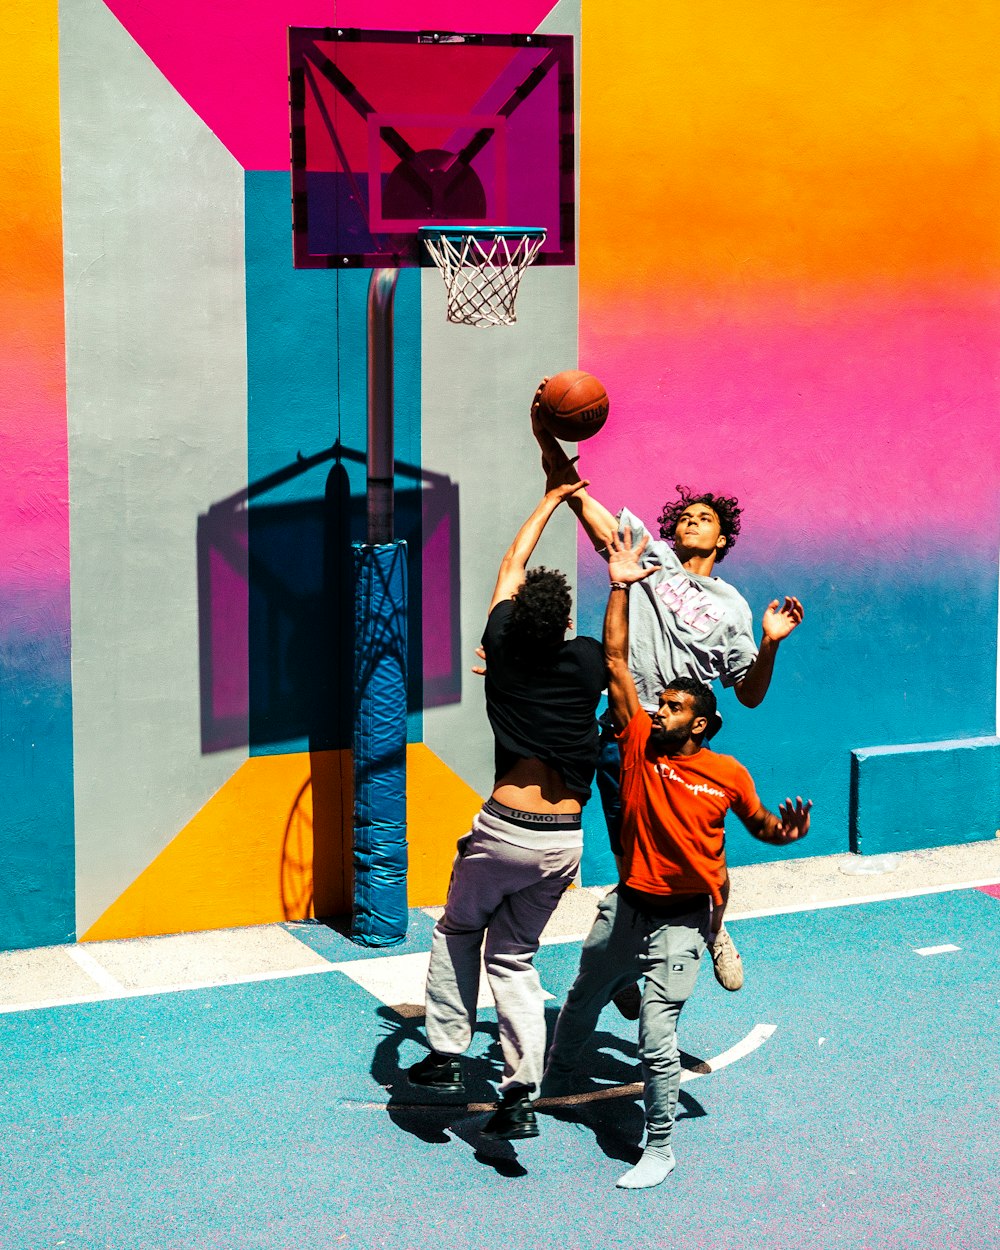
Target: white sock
(656, 1164)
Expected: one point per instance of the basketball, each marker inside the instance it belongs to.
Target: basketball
(573, 405)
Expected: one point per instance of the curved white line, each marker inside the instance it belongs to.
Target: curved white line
(756, 1037)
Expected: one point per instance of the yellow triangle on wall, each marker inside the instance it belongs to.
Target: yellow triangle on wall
(274, 844)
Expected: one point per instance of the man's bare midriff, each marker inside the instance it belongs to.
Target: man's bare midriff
(531, 786)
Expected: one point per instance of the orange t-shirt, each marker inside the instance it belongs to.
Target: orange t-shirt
(673, 809)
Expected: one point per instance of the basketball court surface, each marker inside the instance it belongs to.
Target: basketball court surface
(182, 1092)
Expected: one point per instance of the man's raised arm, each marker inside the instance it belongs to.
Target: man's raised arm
(517, 555)
(598, 523)
(779, 621)
(623, 570)
(791, 824)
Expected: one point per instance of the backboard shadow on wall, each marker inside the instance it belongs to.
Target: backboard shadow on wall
(275, 629)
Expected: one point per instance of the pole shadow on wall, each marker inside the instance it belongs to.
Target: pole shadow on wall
(276, 622)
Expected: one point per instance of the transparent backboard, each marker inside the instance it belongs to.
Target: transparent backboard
(394, 130)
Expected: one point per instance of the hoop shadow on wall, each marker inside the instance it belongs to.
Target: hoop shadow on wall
(276, 607)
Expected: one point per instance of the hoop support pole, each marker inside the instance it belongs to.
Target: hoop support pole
(381, 452)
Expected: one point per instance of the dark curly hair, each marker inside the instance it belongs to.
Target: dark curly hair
(541, 612)
(726, 508)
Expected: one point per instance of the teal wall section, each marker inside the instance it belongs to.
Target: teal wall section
(36, 771)
(307, 388)
(907, 656)
(905, 798)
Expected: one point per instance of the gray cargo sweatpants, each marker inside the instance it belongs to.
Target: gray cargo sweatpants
(623, 945)
(509, 874)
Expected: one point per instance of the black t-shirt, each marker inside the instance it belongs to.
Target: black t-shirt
(544, 708)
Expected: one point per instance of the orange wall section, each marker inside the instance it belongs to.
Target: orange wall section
(274, 844)
(737, 144)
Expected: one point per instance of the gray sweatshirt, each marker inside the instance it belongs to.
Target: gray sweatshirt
(683, 625)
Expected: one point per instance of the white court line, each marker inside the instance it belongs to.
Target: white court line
(145, 991)
(97, 972)
(253, 977)
(813, 906)
(936, 950)
(745, 1046)
(868, 898)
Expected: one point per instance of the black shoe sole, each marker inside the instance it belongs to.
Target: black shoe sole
(451, 1088)
(514, 1134)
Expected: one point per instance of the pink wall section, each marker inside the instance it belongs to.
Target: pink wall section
(790, 276)
(34, 549)
(230, 60)
(852, 422)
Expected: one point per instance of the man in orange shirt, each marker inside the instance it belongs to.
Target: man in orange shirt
(657, 923)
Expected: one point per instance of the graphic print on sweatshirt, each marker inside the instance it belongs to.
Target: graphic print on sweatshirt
(689, 603)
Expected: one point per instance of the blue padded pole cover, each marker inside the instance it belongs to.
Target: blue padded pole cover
(380, 914)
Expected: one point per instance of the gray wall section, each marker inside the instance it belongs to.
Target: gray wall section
(156, 366)
(477, 387)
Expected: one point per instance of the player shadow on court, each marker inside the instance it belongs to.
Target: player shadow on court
(618, 1120)
(429, 1116)
(609, 1061)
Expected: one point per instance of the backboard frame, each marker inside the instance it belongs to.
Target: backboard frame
(548, 63)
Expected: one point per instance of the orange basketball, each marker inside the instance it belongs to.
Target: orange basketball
(573, 405)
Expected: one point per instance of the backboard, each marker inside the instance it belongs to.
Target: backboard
(394, 130)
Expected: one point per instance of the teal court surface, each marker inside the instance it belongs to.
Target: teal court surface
(848, 1096)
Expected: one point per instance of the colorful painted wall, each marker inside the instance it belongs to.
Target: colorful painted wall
(174, 710)
(787, 279)
(789, 284)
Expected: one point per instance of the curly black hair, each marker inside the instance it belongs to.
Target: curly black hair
(541, 612)
(726, 508)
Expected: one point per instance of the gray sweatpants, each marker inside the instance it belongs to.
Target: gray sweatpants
(622, 945)
(506, 893)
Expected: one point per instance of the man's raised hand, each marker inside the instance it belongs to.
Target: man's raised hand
(563, 480)
(794, 820)
(781, 618)
(623, 559)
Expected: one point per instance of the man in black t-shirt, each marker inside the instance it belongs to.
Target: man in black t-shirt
(524, 848)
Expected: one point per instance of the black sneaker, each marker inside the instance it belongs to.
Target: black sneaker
(440, 1072)
(514, 1118)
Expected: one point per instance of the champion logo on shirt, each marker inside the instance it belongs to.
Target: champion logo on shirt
(689, 603)
(667, 772)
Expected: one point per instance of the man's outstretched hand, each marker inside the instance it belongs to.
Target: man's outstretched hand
(554, 457)
(794, 820)
(781, 618)
(563, 483)
(623, 559)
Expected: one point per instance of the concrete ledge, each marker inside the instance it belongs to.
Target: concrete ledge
(906, 798)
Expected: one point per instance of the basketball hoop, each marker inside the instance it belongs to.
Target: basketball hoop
(482, 267)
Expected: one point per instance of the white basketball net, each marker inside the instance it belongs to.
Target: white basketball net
(481, 275)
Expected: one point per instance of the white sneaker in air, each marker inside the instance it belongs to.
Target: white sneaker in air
(727, 962)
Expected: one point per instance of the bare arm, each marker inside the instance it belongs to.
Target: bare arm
(598, 523)
(778, 623)
(791, 824)
(718, 913)
(515, 560)
(623, 570)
